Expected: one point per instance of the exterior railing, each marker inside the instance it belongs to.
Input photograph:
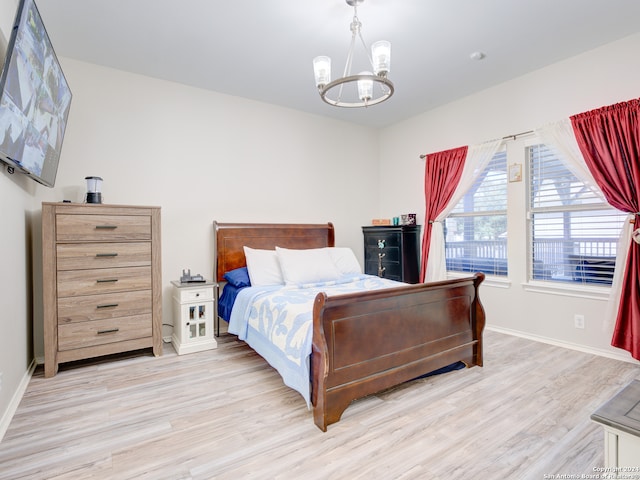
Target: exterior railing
(477, 249)
(578, 259)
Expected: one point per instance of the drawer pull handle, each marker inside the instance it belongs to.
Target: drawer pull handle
(107, 305)
(107, 280)
(106, 254)
(110, 330)
(106, 227)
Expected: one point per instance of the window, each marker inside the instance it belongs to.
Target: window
(573, 230)
(476, 229)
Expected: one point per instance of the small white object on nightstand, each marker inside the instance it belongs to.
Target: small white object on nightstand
(193, 317)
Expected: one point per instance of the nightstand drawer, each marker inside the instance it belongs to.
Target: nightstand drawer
(100, 332)
(76, 256)
(194, 294)
(100, 307)
(103, 280)
(87, 228)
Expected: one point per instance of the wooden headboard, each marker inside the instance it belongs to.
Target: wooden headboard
(229, 238)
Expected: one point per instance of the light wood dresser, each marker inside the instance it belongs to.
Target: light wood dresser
(101, 281)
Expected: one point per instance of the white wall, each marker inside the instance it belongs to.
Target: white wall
(600, 77)
(17, 206)
(204, 156)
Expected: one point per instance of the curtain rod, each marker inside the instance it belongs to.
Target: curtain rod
(508, 137)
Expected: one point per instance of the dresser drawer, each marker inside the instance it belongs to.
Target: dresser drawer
(81, 256)
(389, 239)
(100, 332)
(88, 228)
(103, 306)
(392, 271)
(391, 254)
(72, 283)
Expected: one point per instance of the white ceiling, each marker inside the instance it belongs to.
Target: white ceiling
(263, 49)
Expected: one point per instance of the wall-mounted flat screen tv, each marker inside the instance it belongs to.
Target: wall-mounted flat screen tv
(35, 99)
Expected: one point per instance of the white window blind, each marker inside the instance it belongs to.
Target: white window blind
(573, 230)
(476, 229)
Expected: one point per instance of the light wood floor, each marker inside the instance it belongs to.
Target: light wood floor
(226, 414)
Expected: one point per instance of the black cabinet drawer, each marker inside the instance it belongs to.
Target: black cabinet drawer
(391, 254)
(388, 239)
(392, 271)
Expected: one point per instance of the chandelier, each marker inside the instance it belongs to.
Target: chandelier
(363, 89)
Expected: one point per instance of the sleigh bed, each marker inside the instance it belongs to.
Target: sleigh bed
(365, 342)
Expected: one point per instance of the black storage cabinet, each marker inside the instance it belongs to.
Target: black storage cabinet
(400, 247)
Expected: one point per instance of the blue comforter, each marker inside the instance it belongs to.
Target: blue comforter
(276, 321)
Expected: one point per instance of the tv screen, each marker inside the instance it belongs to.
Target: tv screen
(35, 100)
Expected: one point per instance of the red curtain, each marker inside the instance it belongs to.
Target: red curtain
(442, 174)
(609, 139)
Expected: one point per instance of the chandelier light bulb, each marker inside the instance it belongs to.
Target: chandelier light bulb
(381, 55)
(322, 70)
(365, 87)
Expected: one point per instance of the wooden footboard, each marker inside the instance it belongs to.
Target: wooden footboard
(364, 343)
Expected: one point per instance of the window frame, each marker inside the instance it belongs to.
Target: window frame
(593, 287)
(498, 265)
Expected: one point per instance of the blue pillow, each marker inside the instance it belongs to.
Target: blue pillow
(238, 277)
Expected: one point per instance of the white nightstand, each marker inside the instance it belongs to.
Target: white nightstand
(193, 317)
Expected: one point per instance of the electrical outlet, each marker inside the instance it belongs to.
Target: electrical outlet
(578, 321)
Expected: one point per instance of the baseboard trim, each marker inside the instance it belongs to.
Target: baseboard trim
(622, 356)
(7, 416)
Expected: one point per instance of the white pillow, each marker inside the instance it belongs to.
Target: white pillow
(345, 260)
(306, 266)
(263, 267)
